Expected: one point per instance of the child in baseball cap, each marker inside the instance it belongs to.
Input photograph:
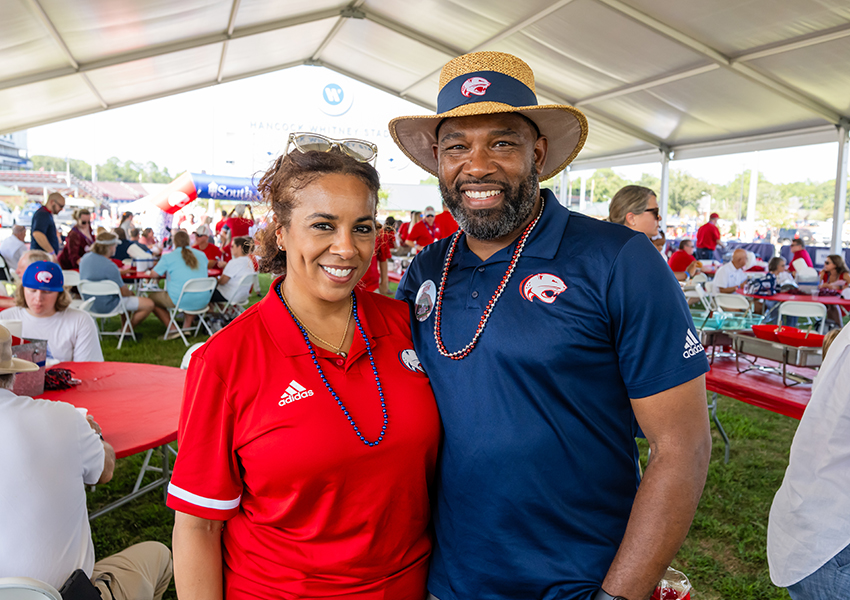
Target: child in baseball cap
(45, 276)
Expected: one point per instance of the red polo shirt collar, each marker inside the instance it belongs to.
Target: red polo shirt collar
(289, 341)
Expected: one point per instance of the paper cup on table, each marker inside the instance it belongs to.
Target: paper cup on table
(14, 326)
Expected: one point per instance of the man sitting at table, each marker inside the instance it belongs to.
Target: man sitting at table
(98, 266)
(50, 452)
(682, 261)
(798, 249)
(128, 248)
(731, 275)
(213, 253)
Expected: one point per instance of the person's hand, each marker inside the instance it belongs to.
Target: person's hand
(93, 424)
(220, 264)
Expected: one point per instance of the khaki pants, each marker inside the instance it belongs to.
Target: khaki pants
(141, 572)
(161, 299)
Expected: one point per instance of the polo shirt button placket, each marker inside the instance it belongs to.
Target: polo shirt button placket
(474, 294)
(340, 362)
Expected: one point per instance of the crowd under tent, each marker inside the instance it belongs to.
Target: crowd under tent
(658, 80)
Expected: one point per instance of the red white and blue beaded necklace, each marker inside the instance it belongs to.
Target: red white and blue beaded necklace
(325, 379)
(438, 308)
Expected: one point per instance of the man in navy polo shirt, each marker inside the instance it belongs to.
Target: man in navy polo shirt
(43, 229)
(549, 337)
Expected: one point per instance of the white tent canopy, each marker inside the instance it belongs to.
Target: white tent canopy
(658, 80)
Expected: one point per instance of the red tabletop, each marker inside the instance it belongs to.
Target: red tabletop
(838, 300)
(137, 405)
(764, 390)
(146, 275)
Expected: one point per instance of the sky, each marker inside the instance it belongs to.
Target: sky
(237, 128)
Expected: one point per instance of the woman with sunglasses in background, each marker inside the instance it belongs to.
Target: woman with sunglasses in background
(78, 242)
(834, 278)
(309, 433)
(636, 207)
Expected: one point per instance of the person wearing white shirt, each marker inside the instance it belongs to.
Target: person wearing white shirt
(14, 246)
(808, 533)
(49, 452)
(731, 275)
(228, 289)
(43, 307)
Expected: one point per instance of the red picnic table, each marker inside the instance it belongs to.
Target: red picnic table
(759, 388)
(136, 405)
(836, 300)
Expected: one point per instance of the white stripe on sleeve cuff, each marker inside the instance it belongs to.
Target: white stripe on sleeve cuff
(200, 500)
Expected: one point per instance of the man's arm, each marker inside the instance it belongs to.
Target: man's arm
(108, 453)
(676, 426)
(41, 240)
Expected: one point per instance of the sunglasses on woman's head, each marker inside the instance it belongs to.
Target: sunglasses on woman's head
(359, 150)
(654, 212)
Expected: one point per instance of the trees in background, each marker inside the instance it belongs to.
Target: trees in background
(112, 170)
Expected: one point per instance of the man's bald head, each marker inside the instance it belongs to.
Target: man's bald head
(739, 258)
(19, 231)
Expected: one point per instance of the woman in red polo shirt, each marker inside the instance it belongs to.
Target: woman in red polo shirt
(309, 433)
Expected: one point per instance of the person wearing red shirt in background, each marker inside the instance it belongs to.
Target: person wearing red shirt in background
(404, 230)
(376, 278)
(682, 261)
(220, 223)
(798, 247)
(388, 233)
(445, 223)
(708, 238)
(424, 232)
(212, 252)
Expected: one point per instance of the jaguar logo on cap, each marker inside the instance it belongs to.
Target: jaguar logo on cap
(474, 85)
(44, 276)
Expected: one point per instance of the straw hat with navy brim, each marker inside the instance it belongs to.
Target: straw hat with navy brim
(485, 83)
(8, 363)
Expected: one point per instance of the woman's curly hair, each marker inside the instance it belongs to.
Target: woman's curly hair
(289, 174)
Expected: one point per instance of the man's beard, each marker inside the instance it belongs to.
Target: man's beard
(493, 223)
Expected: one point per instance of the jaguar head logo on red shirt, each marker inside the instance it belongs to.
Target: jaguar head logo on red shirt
(43, 276)
(543, 286)
(474, 86)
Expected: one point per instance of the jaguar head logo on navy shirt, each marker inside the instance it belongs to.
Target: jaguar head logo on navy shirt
(543, 286)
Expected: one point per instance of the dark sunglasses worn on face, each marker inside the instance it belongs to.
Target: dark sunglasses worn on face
(359, 150)
(654, 212)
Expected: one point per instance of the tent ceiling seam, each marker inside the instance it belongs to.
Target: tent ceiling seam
(788, 92)
(555, 6)
(171, 47)
(54, 33)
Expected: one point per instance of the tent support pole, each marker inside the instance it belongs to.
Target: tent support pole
(665, 187)
(840, 188)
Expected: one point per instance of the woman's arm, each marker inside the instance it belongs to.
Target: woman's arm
(196, 544)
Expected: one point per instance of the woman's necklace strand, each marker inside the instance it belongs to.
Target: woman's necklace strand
(325, 380)
(335, 348)
(438, 309)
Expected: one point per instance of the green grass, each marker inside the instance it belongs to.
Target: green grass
(724, 554)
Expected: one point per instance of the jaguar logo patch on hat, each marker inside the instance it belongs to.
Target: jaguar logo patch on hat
(44, 276)
(474, 85)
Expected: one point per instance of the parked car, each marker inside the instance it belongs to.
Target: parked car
(788, 234)
(6, 218)
(25, 218)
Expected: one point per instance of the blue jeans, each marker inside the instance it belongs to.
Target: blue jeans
(830, 582)
(704, 254)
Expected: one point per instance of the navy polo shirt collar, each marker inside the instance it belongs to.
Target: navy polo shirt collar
(542, 243)
(288, 339)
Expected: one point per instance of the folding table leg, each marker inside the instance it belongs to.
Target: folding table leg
(713, 407)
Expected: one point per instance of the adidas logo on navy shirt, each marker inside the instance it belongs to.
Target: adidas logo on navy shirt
(295, 391)
(692, 345)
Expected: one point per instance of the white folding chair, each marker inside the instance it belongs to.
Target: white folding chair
(106, 288)
(184, 364)
(193, 286)
(27, 588)
(700, 278)
(5, 269)
(72, 278)
(810, 310)
(732, 303)
(245, 282)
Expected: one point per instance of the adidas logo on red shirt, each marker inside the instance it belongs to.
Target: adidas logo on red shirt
(295, 391)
